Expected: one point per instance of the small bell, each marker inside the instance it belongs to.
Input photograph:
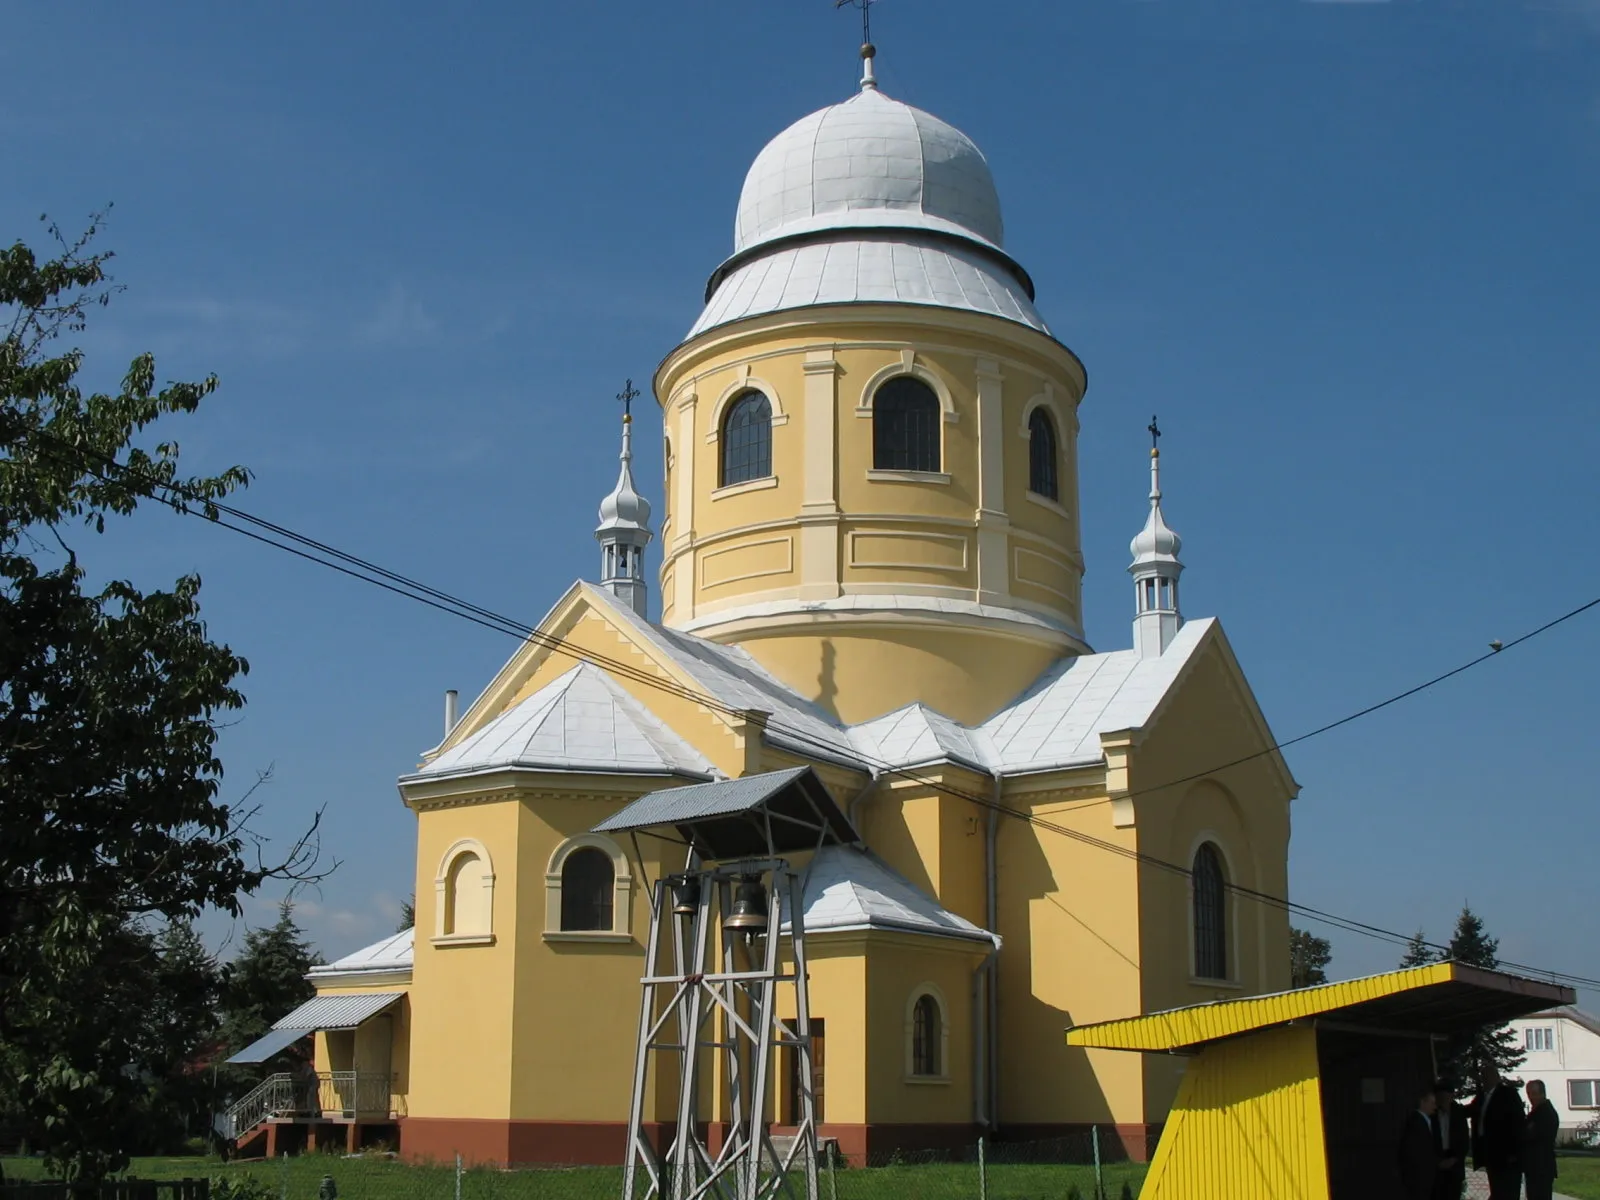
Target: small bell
(685, 895)
(749, 912)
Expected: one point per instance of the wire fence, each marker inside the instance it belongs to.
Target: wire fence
(1091, 1166)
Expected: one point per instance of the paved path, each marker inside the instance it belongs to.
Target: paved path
(1478, 1188)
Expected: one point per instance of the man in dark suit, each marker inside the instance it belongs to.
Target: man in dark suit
(1451, 1138)
(1539, 1143)
(1496, 1113)
(1419, 1151)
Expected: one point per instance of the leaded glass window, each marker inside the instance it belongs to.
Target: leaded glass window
(905, 426)
(1210, 915)
(1042, 455)
(587, 886)
(927, 1036)
(747, 439)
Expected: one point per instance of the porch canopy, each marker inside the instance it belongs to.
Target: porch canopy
(1304, 1093)
(319, 1013)
(780, 812)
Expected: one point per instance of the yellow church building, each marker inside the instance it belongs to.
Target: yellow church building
(871, 567)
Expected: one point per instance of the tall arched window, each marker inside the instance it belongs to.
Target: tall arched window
(1210, 914)
(905, 426)
(747, 439)
(587, 889)
(1042, 455)
(927, 1036)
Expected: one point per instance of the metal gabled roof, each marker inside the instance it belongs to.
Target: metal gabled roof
(583, 720)
(780, 812)
(1437, 999)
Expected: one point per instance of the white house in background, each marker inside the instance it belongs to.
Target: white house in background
(1563, 1049)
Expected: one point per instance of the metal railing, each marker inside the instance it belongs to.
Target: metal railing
(345, 1095)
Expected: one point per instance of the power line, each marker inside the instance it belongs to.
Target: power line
(181, 498)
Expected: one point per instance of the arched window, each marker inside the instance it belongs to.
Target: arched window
(1042, 455)
(464, 894)
(1210, 915)
(587, 889)
(905, 426)
(747, 439)
(927, 1036)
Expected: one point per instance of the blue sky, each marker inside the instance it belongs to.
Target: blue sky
(1346, 250)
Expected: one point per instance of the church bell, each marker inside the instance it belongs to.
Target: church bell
(685, 895)
(749, 912)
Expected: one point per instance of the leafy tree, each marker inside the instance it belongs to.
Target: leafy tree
(408, 913)
(110, 809)
(1469, 1055)
(1309, 956)
(1418, 952)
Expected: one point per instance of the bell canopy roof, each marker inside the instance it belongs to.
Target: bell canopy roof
(870, 161)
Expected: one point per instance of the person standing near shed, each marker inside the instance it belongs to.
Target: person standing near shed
(1539, 1143)
(1452, 1139)
(1419, 1150)
(1496, 1113)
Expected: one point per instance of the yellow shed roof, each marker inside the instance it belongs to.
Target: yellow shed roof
(1436, 999)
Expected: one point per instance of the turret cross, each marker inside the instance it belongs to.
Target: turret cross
(1155, 434)
(628, 395)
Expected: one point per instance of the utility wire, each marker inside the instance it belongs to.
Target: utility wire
(182, 499)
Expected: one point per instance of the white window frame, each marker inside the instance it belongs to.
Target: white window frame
(1594, 1095)
(1538, 1039)
(441, 889)
(621, 899)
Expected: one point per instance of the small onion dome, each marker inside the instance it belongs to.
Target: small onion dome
(624, 508)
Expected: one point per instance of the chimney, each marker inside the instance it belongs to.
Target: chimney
(449, 711)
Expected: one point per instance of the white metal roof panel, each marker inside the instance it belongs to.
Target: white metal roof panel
(847, 888)
(869, 269)
(337, 1012)
(393, 953)
(582, 721)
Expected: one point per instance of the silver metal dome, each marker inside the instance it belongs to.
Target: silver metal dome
(870, 161)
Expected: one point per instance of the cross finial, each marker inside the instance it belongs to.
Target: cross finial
(1155, 435)
(866, 16)
(628, 395)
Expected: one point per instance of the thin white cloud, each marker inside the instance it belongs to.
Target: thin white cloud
(400, 319)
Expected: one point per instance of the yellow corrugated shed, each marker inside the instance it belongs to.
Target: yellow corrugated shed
(1247, 1123)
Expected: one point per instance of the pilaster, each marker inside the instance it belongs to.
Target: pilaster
(683, 507)
(819, 506)
(994, 571)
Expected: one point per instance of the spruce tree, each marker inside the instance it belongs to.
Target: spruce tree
(408, 913)
(1418, 952)
(266, 982)
(1469, 1055)
(1309, 956)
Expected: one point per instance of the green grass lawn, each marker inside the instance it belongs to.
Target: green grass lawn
(299, 1177)
(1579, 1177)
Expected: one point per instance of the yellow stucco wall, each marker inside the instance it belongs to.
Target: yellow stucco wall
(1069, 918)
(463, 996)
(825, 525)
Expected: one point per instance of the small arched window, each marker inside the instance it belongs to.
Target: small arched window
(905, 426)
(747, 439)
(927, 1036)
(1042, 455)
(588, 886)
(1210, 914)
